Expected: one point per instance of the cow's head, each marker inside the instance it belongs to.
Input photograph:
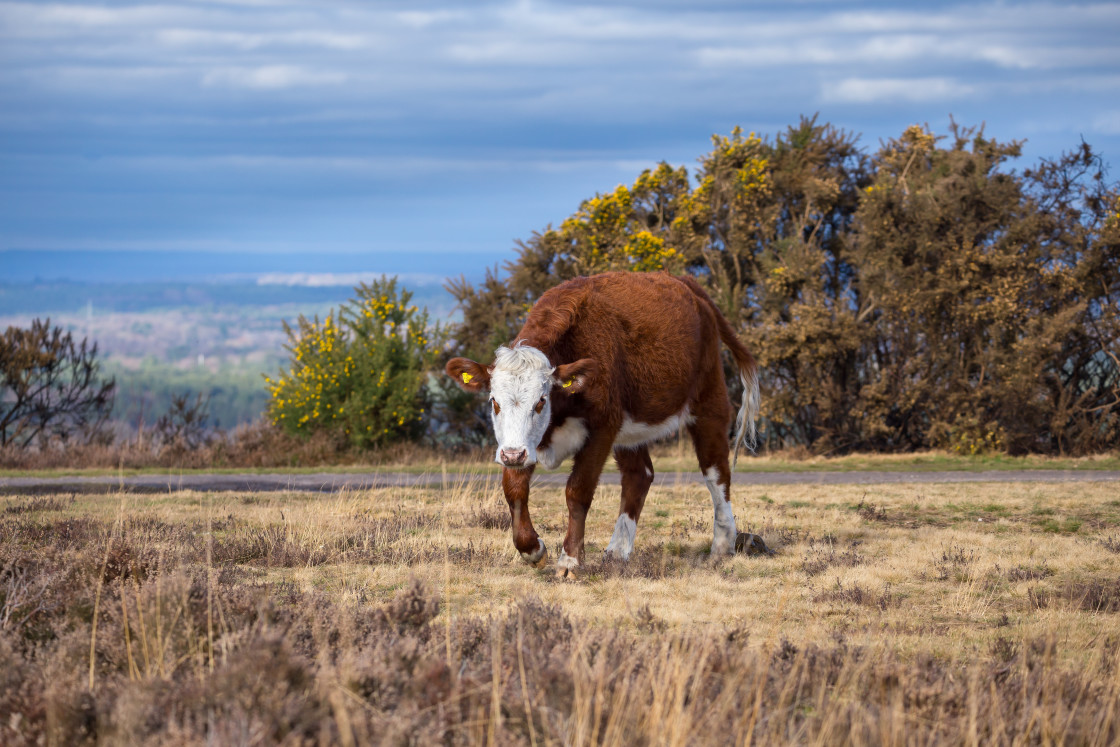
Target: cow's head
(521, 382)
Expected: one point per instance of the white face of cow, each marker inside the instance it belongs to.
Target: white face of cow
(520, 383)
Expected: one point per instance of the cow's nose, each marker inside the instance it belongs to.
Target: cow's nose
(514, 457)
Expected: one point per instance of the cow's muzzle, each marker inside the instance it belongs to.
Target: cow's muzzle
(514, 457)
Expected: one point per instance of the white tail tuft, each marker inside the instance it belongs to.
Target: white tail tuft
(748, 413)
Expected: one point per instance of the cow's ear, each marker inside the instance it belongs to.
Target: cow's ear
(575, 377)
(470, 376)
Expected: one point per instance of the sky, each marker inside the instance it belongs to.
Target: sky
(427, 129)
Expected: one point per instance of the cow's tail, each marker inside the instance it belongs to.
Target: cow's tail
(745, 428)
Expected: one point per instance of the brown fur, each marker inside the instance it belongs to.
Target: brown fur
(653, 344)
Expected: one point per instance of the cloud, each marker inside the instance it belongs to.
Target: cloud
(271, 77)
(190, 37)
(386, 168)
(261, 97)
(423, 19)
(349, 279)
(886, 90)
(1107, 123)
(514, 52)
(58, 19)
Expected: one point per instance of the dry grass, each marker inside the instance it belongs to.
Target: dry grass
(264, 447)
(260, 446)
(979, 613)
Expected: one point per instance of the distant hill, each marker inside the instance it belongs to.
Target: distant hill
(414, 268)
(170, 323)
(41, 282)
(40, 298)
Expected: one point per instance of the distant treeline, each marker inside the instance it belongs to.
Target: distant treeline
(42, 298)
(922, 295)
(237, 395)
(201, 266)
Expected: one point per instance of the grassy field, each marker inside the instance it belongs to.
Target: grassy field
(977, 613)
(666, 458)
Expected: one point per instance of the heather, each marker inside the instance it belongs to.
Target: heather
(890, 614)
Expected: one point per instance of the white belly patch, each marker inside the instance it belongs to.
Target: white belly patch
(566, 441)
(635, 434)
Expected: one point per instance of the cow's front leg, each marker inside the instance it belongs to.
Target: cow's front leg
(586, 468)
(515, 485)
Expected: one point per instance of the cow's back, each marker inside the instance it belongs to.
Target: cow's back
(654, 339)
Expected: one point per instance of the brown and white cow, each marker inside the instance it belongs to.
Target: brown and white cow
(611, 363)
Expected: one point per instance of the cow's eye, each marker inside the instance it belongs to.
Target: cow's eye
(496, 408)
(539, 406)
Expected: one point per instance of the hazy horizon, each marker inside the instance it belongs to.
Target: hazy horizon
(274, 268)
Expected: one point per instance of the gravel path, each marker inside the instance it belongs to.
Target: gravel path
(325, 482)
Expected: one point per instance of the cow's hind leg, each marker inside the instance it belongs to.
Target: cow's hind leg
(636, 470)
(709, 436)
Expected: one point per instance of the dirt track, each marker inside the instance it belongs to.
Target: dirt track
(326, 482)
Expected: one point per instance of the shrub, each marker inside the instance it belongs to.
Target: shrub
(50, 387)
(184, 425)
(921, 295)
(360, 373)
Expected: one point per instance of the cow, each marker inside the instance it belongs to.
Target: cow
(610, 363)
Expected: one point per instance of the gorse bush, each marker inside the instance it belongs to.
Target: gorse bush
(360, 373)
(924, 295)
(986, 302)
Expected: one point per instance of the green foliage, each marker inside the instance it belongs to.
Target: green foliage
(51, 387)
(628, 229)
(989, 299)
(360, 373)
(233, 394)
(924, 295)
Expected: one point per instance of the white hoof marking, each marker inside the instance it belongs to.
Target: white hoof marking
(566, 566)
(622, 541)
(723, 525)
(534, 558)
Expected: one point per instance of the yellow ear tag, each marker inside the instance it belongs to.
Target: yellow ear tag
(467, 378)
(568, 383)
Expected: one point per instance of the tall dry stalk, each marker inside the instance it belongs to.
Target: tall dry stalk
(526, 696)
(97, 593)
(210, 581)
(495, 725)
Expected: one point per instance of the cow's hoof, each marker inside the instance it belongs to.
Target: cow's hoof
(536, 559)
(751, 544)
(721, 550)
(566, 567)
(717, 559)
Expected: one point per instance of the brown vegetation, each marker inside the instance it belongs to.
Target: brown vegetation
(402, 616)
(258, 446)
(924, 295)
(50, 387)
